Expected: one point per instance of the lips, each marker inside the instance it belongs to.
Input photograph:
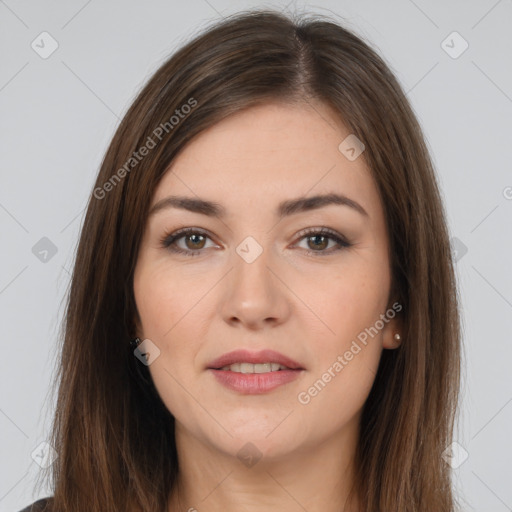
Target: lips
(245, 356)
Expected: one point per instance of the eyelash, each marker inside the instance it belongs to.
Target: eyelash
(169, 239)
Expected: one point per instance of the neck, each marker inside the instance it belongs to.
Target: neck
(318, 477)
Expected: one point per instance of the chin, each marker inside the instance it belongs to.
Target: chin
(267, 442)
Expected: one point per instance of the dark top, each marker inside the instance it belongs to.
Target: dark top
(43, 505)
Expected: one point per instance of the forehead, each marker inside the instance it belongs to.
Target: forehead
(272, 150)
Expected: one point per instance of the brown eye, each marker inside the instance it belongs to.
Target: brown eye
(319, 242)
(196, 240)
(188, 241)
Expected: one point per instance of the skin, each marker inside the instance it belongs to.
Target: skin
(308, 307)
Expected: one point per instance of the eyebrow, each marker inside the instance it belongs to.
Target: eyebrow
(284, 209)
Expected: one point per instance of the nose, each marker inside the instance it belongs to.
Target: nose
(256, 296)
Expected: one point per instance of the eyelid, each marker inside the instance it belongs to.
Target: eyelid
(342, 242)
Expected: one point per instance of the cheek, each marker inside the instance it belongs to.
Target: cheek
(159, 300)
(168, 320)
(170, 308)
(346, 350)
(346, 302)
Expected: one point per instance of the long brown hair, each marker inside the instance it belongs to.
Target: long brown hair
(113, 435)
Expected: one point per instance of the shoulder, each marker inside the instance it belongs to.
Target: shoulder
(42, 505)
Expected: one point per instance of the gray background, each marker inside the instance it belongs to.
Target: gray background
(59, 113)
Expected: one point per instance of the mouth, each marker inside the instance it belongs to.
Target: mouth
(254, 372)
(245, 361)
(254, 368)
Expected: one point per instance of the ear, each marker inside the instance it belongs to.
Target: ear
(392, 327)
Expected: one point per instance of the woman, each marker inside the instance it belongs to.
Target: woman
(263, 311)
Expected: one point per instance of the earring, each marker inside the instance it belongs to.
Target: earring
(397, 337)
(135, 343)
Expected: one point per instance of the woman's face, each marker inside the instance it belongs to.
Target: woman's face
(251, 279)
